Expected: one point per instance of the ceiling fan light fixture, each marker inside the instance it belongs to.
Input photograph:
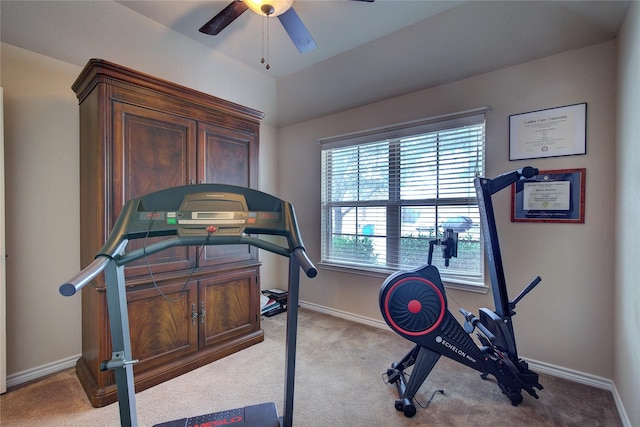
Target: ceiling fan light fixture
(269, 7)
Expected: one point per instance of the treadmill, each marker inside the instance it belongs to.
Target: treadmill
(197, 215)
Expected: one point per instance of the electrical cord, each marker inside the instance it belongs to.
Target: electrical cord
(408, 375)
(153, 279)
(429, 401)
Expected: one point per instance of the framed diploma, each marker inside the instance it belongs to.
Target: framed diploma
(550, 196)
(548, 133)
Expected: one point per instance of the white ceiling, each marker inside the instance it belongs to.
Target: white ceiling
(336, 25)
(366, 51)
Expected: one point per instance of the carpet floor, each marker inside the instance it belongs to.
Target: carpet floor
(339, 382)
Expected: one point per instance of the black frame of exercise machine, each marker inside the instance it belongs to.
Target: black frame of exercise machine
(434, 325)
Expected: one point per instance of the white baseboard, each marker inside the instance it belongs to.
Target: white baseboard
(624, 417)
(570, 374)
(41, 371)
(345, 315)
(537, 366)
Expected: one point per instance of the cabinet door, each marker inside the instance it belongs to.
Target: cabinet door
(231, 305)
(152, 151)
(226, 156)
(163, 323)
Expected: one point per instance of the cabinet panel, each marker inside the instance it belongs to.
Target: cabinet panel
(152, 151)
(161, 323)
(226, 157)
(230, 302)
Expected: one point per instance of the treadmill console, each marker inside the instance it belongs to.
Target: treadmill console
(203, 214)
(208, 213)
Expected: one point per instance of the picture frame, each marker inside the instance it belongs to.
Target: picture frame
(551, 196)
(551, 132)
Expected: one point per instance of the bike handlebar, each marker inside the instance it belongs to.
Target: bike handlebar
(526, 290)
(528, 172)
(475, 322)
(500, 182)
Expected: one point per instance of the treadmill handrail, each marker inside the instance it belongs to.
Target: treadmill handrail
(90, 272)
(113, 248)
(77, 282)
(305, 263)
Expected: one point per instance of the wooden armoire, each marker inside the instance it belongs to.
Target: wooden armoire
(187, 306)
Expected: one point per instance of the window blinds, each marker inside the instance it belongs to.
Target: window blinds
(387, 193)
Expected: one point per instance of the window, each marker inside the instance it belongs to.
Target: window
(387, 193)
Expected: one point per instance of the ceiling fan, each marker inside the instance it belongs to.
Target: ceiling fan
(283, 9)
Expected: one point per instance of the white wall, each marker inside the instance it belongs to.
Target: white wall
(568, 320)
(627, 237)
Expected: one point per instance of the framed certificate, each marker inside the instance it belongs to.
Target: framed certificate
(550, 196)
(548, 133)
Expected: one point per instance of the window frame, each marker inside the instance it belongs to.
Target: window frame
(394, 203)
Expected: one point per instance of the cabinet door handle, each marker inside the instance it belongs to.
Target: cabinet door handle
(202, 311)
(194, 314)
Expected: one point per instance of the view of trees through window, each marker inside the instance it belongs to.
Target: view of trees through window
(384, 201)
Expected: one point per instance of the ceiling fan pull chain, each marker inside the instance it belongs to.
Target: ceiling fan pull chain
(262, 61)
(267, 66)
(265, 41)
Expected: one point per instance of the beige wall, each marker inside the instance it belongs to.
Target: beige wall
(571, 320)
(42, 199)
(3, 276)
(627, 237)
(568, 320)
(42, 186)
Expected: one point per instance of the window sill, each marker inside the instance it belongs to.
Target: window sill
(448, 282)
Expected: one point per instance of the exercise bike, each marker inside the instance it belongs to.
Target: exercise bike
(414, 304)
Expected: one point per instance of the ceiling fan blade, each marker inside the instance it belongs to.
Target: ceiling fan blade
(297, 31)
(224, 18)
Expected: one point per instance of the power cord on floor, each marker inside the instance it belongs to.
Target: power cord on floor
(432, 396)
(387, 380)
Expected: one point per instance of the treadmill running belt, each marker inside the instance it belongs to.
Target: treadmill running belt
(262, 415)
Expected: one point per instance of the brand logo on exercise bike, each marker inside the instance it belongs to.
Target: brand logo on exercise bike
(454, 348)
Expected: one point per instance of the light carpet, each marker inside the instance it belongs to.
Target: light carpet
(338, 383)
